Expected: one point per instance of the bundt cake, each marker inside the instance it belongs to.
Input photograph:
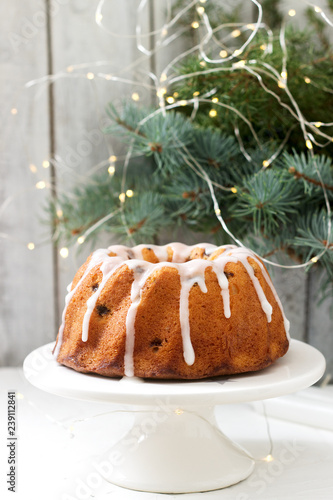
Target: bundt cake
(171, 312)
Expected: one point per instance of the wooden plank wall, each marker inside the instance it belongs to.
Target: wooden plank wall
(63, 122)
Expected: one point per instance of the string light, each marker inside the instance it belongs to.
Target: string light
(64, 252)
(212, 113)
(135, 96)
(112, 158)
(46, 164)
(269, 458)
(223, 54)
(129, 193)
(59, 213)
(239, 64)
(265, 163)
(31, 246)
(237, 52)
(235, 33)
(179, 411)
(14, 111)
(195, 25)
(215, 99)
(161, 92)
(80, 240)
(122, 197)
(234, 190)
(196, 93)
(314, 259)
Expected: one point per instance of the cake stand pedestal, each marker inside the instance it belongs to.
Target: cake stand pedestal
(174, 444)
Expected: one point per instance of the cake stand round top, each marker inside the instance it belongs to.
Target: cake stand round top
(302, 366)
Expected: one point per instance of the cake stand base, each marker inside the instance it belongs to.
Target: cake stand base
(177, 450)
(174, 445)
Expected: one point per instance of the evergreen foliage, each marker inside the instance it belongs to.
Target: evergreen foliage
(283, 205)
(278, 210)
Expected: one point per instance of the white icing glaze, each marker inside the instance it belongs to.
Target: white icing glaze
(190, 271)
(97, 258)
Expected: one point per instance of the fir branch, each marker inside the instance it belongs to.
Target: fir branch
(269, 199)
(299, 175)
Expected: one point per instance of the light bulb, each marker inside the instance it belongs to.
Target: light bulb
(64, 252)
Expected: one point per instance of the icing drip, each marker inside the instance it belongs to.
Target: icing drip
(108, 267)
(97, 258)
(141, 273)
(266, 307)
(286, 322)
(191, 272)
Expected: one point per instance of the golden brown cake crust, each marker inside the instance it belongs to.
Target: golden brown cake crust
(244, 341)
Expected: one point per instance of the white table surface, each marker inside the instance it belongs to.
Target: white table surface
(61, 441)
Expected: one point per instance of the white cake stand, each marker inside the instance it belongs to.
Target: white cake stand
(174, 445)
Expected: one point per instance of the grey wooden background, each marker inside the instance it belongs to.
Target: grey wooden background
(41, 37)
